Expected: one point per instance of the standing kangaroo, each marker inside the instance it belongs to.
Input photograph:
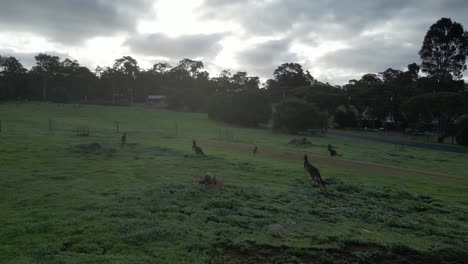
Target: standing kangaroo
(255, 150)
(332, 152)
(313, 172)
(123, 139)
(197, 149)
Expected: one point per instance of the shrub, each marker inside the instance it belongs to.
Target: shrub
(462, 130)
(346, 117)
(296, 115)
(246, 108)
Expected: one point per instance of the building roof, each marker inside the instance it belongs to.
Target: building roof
(156, 97)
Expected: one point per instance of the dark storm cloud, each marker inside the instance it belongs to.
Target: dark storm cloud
(263, 58)
(27, 58)
(71, 22)
(401, 24)
(188, 46)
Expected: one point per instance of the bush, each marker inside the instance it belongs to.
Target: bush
(462, 130)
(297, 115)
(247, 108)
(346, 117)
(182, 99)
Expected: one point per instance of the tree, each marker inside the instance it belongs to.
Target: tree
(187, 87)
(462, 130)
(11, 66)
(398, 86)
(287, 77)
(292, 75)
(223, 81)
(323, 95)
(346, 117)
(69, 67)
(297, 115)
(444, 50)
(12, 76)
(76, 81)
(370, 96)
(244, 82)
(47, 66)
(246, 108)
(438, 109)
(128, 66)
(160, 68)
(413, 70)
(187, 68)
(128, 69)
(239, 81)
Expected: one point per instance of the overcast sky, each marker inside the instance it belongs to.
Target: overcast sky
(336, 40)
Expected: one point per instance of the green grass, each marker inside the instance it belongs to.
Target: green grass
(140, 203)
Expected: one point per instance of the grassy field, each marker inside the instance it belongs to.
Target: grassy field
(64, 202)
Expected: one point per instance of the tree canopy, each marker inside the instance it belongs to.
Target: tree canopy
(444, 50)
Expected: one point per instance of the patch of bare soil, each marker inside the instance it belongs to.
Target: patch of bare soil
(300, 142)
(211, 182)
(93, 148)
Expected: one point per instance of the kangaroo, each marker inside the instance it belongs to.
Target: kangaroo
(123, 139)
(255, 150)
(313, 172)
(332, 152)
(197, 149)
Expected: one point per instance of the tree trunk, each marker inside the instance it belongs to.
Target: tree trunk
(44, 88)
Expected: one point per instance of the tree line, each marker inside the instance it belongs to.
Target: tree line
(431, 95)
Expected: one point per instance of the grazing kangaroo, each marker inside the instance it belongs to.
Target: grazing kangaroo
(332, 152)
(255, 150)
(197, 149)
(313, 172)
(123, 139)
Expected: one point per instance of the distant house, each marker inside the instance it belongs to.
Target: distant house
(156, 99)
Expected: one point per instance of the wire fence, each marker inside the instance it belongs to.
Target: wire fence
(86, 128)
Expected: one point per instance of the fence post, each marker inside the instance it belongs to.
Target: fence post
(50, 124)
(117, 127)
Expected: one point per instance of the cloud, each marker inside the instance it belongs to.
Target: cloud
(370, 56)
(72, 22)
(332, 18)
(263, 58)
(186, 46)
(335, 39)
(375, 34)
